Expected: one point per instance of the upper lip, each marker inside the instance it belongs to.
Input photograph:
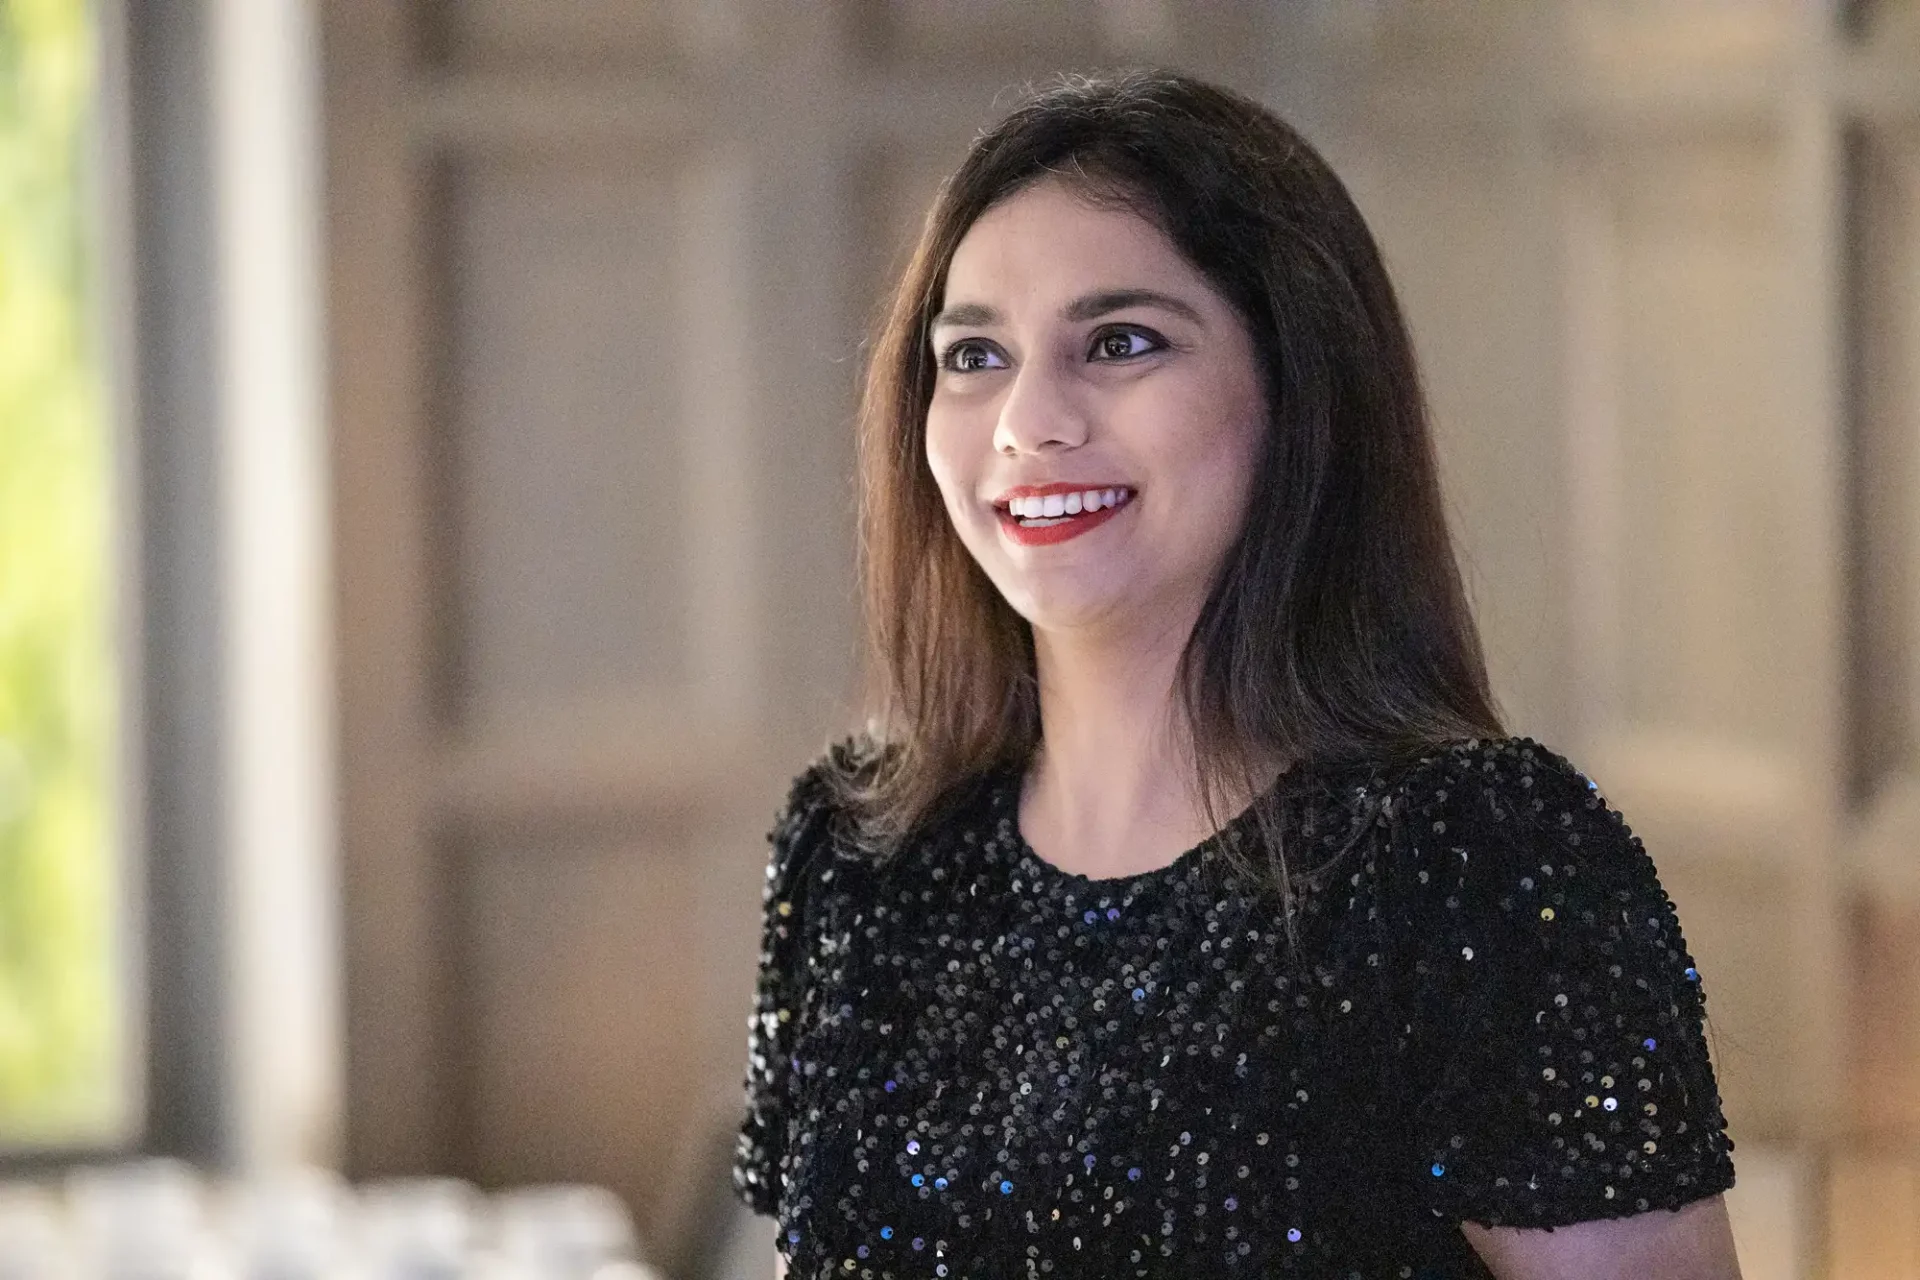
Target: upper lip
(1057, 486)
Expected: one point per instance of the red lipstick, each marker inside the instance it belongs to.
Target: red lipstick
(1040, 531)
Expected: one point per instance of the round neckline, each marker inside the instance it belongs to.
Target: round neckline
(1039, 869)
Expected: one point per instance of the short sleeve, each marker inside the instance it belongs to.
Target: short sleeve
(779, 997)
(1554, 1054)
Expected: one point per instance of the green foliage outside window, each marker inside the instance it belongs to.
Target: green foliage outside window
(59, 1013)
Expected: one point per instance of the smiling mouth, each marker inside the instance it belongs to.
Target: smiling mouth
(1046, 511)
(1045, 519)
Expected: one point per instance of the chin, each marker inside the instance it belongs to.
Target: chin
(1061, 606)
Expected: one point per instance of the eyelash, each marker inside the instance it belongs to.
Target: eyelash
(1158, 343)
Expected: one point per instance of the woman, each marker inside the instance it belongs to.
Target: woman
(1152, 537)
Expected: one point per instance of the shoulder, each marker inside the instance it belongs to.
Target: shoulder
(819, 811)
(1511, 825)
(1494, 778)
(833, 780)
(1552, 1013)
(1488, 794)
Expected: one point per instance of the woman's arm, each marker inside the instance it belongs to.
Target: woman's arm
(1694, 1242)
(779, 1266)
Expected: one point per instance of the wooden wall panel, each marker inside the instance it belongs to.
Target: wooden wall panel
(1773, 1227)
(1641, 45)
(652, 34)
(1735, 904)
(1873, 1202)
(891, 189)
(1710, 634)
(572, 510)
(986, 31)
(1704, 583)
(1465, 223)
(985, 38)
(379, 346)
(1884, 324)
(1883, 1025)
(589, 1085)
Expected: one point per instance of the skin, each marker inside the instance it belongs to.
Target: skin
(1694, 1242)
(1037, 383)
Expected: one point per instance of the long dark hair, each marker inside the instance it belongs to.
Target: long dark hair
(1338, 628)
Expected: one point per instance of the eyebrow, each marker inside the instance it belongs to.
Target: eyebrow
(1090, 307)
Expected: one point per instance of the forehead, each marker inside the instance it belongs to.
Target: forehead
(1049, 239)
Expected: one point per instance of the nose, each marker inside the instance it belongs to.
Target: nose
(1038, 413)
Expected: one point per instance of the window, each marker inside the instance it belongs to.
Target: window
(61, 1006)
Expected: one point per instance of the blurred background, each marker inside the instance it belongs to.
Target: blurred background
(426, 542)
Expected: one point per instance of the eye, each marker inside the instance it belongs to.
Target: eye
(1122, 344)
(968, 355)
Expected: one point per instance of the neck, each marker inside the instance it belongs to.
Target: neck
(1108, 716)
(1111, 791)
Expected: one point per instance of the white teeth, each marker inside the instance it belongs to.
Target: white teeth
(1056, 506)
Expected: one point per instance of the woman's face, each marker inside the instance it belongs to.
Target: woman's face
(1096, 413)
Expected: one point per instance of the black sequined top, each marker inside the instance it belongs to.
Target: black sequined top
(968, 1062)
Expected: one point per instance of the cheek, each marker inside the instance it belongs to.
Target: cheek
(1248, 444)
(1243, 419)
(954, 470)
(1219, 461)
(1220, 443)
(940, 453)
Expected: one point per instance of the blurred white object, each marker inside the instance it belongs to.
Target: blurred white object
(626, 1271)
(288, 1225)
(33, 1237)
(418, 1229)
(157, 1220)
(143, 1220)
(562, 1232)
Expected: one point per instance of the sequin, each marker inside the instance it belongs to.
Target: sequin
(963, 1061)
